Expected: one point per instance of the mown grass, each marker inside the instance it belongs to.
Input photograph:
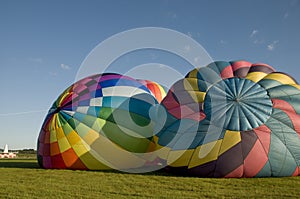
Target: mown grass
(22, 178)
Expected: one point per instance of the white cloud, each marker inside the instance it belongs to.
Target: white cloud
(254, 32)
(65, 67)
(53, 74)
(223, 42)
(189, 34)
(36, 60)
(272, 45)
(258, 41)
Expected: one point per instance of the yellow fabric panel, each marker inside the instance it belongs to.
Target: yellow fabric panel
(193, 73)
(155, 140)
(296, 86)
(107, 151)
(92, 163)
(162, 151)
(90, 137)
(65, 94)
(180, 158)
(256, 76)
(230, 139)
(80, 148)
(60, 133)
(205, 153)
(151, 147)
(282, 78)
(197, 96)
(63, 144)
(73, 138)
(190, 84)
(162, 90)
(98, 124)
(54, 124)
(53, 137)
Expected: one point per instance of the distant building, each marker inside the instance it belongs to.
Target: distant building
(7, 154)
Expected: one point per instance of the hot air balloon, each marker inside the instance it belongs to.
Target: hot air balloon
(158, 91)
(100, 122)
(232, 119)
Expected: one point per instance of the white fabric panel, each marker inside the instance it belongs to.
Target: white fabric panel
(124, 91)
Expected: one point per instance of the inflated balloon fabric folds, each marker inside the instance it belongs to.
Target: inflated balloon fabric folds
(228, 119)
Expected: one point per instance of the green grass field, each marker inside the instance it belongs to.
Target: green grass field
(22, 178)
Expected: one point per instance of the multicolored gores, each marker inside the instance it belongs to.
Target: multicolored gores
(100, 122)
(232, 119)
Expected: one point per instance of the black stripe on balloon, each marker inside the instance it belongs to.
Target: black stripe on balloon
(204, 170)
(241, 72)
(229, 161)
(248, 140)
(177, 170)
(263, 69)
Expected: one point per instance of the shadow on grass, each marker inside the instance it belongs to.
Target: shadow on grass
(32, 164)
(19, 163)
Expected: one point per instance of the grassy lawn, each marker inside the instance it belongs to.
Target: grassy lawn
(22, 178)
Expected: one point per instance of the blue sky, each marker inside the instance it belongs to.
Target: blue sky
(43, 44)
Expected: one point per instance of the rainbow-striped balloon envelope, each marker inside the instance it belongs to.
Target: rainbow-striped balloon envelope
(100, 122)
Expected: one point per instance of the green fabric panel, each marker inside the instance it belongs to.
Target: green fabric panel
(67, 129)
(121, 117)
(89, 120)
(287, 93)
(281, 154)
(281, 161)
(208, 75)
(127, 142)
(60, 120)
(139, 120)
(283, 90)
(218, 66)
(279, 121)
(170, 135)
(105, 113)
(268, 83)
(82, 130)
(265, 171)
(283, 128)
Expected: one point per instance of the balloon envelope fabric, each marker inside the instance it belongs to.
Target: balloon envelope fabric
(232, 119)
(100, 122)
(156, 90)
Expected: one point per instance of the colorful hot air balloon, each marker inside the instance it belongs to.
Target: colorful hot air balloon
(156, 89)
(100, 122)
(232, 119)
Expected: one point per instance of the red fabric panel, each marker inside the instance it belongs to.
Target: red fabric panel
(264, 136)
(255, 160)
(240, 64)
(290, 111)
(227, 72)
(237, 173)
(58, 162)
(296, 173)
